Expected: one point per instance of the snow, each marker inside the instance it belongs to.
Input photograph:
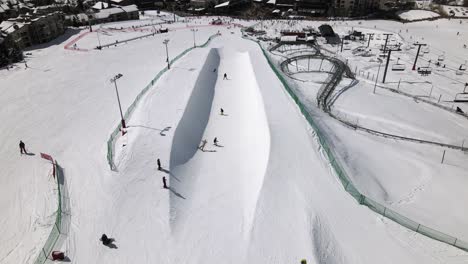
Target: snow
(100, 5)
(411, 15)
(222, 4)
(266, 193)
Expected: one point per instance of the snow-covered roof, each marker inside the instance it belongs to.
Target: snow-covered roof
(100, 5)
(271, 2)
(9, 26)
(222, 4)
(288, 38)
(104, 13)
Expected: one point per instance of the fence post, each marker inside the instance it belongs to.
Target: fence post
(440, 96)
(443, 156)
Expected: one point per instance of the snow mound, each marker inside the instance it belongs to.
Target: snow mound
(189, 131)
(235, 168)
(411, 15)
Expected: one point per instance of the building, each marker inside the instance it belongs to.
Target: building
(360, 7)
(27, 30)
(117, 14)
(7, 11)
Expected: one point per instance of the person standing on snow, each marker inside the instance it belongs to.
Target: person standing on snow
(159, 164)
(215, 141)
(222, 111)
(164, 183)
(22, 147)
(225, 76)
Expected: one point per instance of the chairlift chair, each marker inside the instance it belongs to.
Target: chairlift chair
(461, 98)
(424, 71)
(398, 67)
(441, 57)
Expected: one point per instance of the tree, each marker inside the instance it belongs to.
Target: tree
(79, 5)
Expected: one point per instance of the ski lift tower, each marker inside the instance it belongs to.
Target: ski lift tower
(388, 61)
(417, 54)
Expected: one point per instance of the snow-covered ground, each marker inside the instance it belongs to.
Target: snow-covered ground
(378, 166)
(411, 15)
(265, 193)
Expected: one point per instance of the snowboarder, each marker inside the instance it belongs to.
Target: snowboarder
(159, 164)
(215, 141)
(164, 183)
(202, 146)
(25, 65)
(22, 147)
(225, 76)
(105, 240)
(222, 111)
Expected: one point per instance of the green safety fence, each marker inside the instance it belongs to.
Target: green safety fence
(346, 181)
(131, 108)
(57, 228)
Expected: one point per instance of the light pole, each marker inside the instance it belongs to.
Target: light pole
(194, 30)
(166, 41)
(114, 80)
(99, 40)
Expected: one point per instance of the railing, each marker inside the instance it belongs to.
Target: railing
(60, 226)
(128, 113)
(347, 183)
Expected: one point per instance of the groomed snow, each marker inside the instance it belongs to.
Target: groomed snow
(265, 194)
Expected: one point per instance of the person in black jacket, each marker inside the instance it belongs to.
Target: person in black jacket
(22, 147)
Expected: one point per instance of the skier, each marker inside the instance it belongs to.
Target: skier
(22, 147)
(214, 70)
(458, 33)
(25, 65)
(105, 240)
(222, 111)
(225, 76)
(159, 164)
(164, 183)
(215, 141)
